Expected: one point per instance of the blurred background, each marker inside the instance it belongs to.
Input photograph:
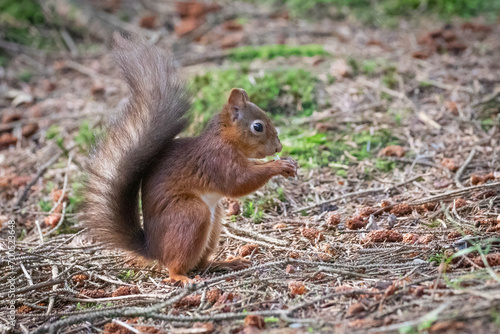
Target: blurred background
(380, 102)
(342, 79)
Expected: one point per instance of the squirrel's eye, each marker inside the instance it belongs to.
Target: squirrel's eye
(258, 127)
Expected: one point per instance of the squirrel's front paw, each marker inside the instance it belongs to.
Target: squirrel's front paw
(288, 167)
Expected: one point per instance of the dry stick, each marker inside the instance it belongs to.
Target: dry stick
(65, 183)
(462, 169)
(15, 49)
(39, 174)
(420, 114)
(356, 193)
(28, 277)
(70, 43)
(54, 288)
(487, 99)
(446, 86)
(130, 328)
(67, 240)
(102, 277)
(454, 193)
(82, 69)
(257, 235)
(395, 327)
(265, 244)
(33, 287)
(12, 125)
(118, 298)
(283, 314)
(129, 312)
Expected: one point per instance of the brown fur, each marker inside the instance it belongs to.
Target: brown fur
(180, 177)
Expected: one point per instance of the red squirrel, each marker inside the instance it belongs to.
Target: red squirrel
(181, 180)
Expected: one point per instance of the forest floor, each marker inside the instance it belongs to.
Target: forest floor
(391, 226)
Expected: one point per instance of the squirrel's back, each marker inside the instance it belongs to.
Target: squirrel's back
(153, 117)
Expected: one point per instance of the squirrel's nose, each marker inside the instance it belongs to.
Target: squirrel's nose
(279, 147)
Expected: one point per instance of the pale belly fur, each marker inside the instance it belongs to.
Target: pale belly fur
(212, 200)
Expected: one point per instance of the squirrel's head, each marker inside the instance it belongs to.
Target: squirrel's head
(248, 126)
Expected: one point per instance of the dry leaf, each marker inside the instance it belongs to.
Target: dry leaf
(98, 293)
(188, 25)
(333, 220)
(213, 295)
(148, 21)
(425, 239)
(410, 238)
(52, 220)
(231, 40)
(20, 181)
(234, 208)
(279, 226)
(9, 117)
(97, 88)
(296, 288)
(450, 164)
(25, 309)
(248, 249)
(312, 234)
(452, 107)
(232, 25)
(29, 130)
(355, 309)
(189, 301)
(384, 236)
(125, 291)
(401, 209)
(355, 223)
(256, 321)
(79, 279)
(6, 140)
(340, 68)
(393, 151)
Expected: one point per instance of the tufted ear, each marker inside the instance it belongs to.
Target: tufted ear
(236, 102)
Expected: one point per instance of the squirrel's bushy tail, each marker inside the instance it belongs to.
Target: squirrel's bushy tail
(153, 117)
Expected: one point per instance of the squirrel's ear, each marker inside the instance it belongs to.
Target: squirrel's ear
(236, 102)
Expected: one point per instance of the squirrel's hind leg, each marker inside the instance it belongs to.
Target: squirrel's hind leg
(213, 241)
(180, 235)
(227, 265)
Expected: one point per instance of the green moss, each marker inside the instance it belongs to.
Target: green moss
(384, 11)
(20, 21)
(22, 10)
(254, 206)
(280, 92)
(369, 67)
(3, 60)
(389, 79)
(45, 206)
(25, 76)
(272, 51)
(127, 275)
(252, 210)
(385, 165)
(313, 149)
(76, 198)
(86, 136)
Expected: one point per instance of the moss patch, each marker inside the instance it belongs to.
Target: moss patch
(313, 149)
(272, 51)
(282, 92)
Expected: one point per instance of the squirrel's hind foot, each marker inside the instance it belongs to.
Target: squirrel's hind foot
(181, 280)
